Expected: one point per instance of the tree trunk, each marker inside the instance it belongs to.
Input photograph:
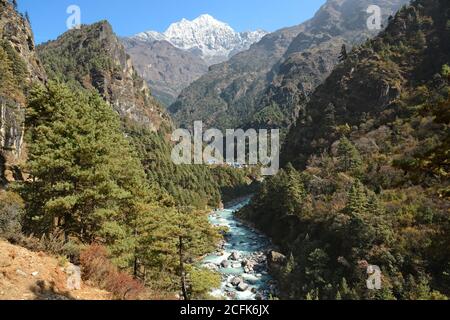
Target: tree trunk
(183, 276)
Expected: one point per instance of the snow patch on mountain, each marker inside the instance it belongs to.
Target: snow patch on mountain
(213, 40)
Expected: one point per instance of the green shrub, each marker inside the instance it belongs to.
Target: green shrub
(11, 214)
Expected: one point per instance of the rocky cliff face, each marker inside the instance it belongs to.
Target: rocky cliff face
(94, 58)
(267, 86)
(20, 67)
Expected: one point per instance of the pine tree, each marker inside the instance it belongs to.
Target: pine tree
(330, 116)
(374, 206)
(357, 199)
(349, 157)
(294, 191)
(12, 73)
(171, 239)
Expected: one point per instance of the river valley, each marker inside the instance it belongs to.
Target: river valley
(240, 259)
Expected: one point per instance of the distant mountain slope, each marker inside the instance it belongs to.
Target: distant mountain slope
(94, 58)
(172, 60)
(268, 84)
(229, 91)
(166, 68)
(312, 56)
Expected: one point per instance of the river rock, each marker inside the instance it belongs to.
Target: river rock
(225, 264)
(236, 265)
(211, 266)
(234, 256)
(236, 281)
(242, 287)
(231, 295)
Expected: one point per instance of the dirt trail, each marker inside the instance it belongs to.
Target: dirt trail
(26, 275)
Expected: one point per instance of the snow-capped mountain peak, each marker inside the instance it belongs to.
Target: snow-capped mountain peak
(214, 40)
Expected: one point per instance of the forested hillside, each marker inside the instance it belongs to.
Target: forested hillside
(365, 178)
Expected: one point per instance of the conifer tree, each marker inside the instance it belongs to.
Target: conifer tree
(294, 191)
(349, 157)
(357, 199)
(171, 239)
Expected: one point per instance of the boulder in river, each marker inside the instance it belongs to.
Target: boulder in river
(234, 256)
(211, 266)
(236, 281)
(225, 264)
(242, 287)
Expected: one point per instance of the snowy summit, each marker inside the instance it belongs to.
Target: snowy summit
(213, 40)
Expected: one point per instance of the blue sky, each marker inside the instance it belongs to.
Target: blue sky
(48, 17)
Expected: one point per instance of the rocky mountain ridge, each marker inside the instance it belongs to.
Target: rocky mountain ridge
(93, 57)
(268, 85)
